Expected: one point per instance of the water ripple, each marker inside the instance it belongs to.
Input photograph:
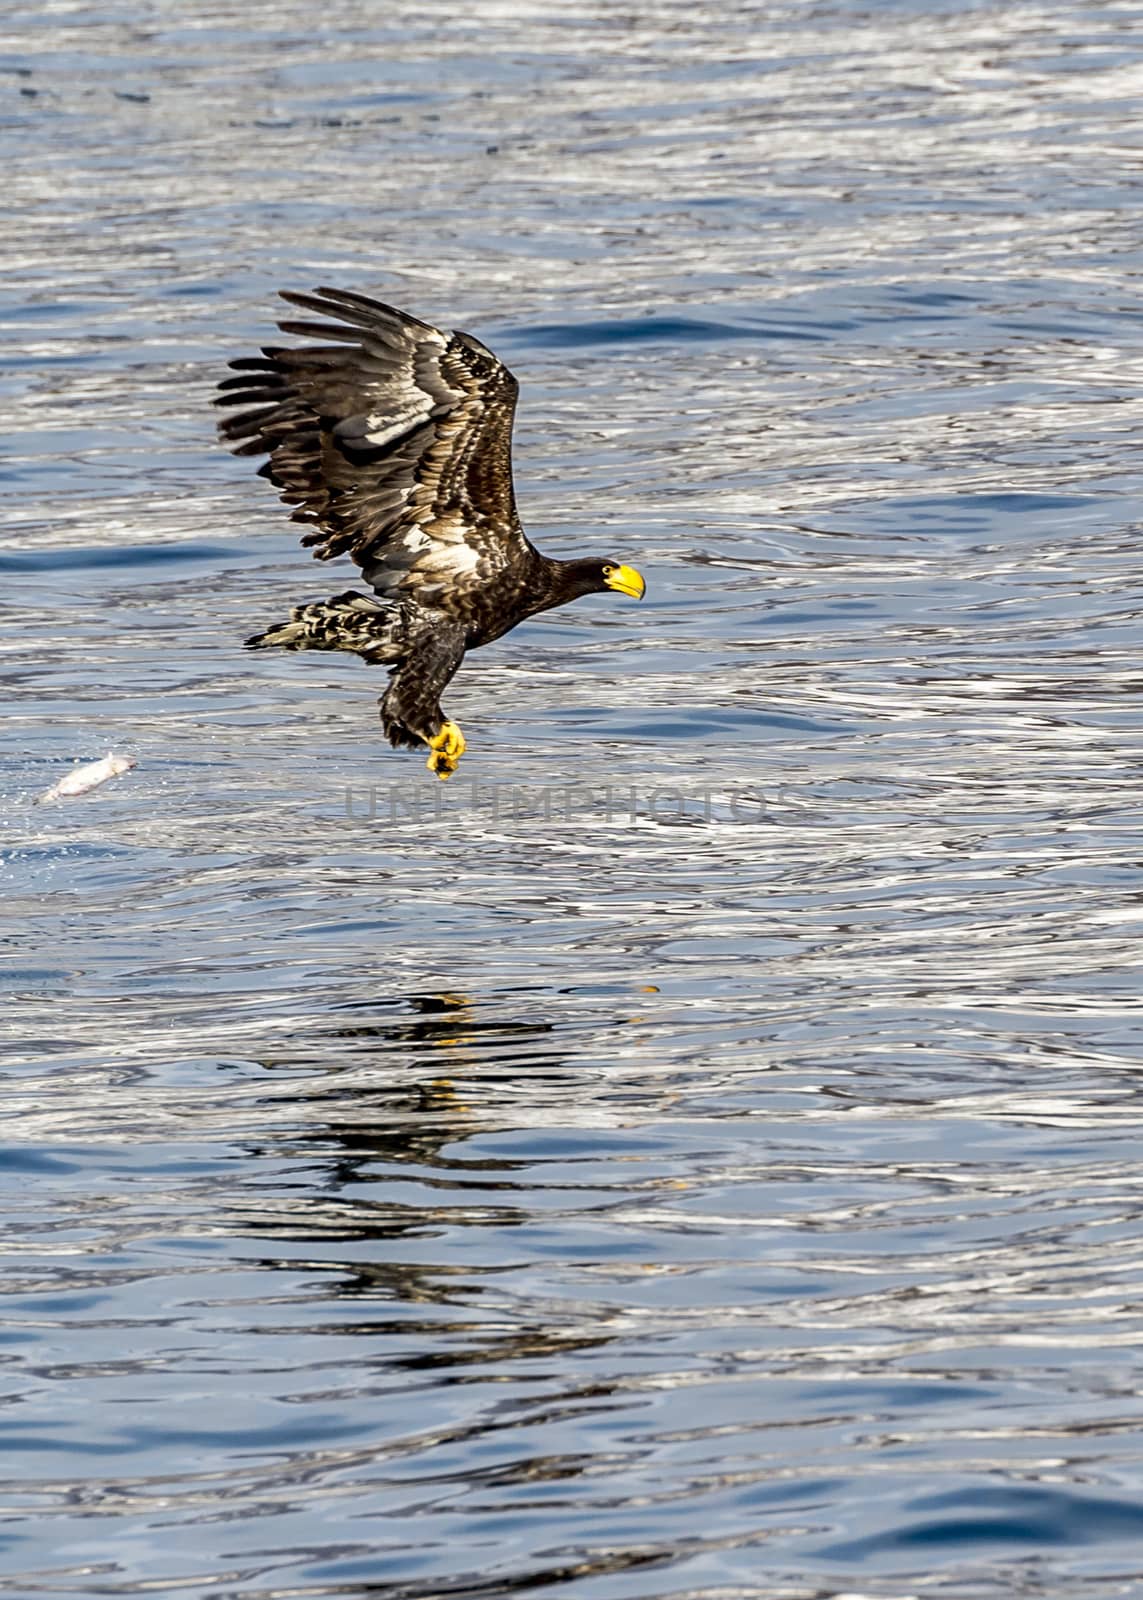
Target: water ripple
(697, 1154)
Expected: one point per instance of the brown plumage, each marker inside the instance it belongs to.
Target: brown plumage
(394, 440)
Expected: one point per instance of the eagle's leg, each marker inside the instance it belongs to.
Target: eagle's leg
(410, 708)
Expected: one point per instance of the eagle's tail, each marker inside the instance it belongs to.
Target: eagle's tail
(375, 629)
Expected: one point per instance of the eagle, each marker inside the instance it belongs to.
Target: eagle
(393, 439)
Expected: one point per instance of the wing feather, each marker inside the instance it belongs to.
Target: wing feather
(394, 440)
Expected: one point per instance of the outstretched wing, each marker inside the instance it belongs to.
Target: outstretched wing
(395, 440)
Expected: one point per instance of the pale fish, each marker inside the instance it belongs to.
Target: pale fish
(80, 779)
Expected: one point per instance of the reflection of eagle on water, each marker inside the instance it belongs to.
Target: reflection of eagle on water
(396, 440)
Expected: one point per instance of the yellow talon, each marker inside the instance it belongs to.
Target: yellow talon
(447, 748)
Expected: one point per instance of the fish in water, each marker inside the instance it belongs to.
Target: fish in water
(82, 779)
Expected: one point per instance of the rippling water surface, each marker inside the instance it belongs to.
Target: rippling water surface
(720, 1178)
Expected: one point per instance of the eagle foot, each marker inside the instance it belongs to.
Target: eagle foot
(447, 748)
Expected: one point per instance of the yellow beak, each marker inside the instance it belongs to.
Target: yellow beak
(627, 581)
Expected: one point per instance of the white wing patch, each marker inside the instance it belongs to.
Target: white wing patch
(415, 407)
(448, 560)
(415, 388)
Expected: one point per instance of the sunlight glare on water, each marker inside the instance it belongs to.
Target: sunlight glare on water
(695, 1153)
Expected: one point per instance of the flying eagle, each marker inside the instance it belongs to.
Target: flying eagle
(395, 439)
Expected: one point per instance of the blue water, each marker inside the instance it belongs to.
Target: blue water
(695, 1153)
